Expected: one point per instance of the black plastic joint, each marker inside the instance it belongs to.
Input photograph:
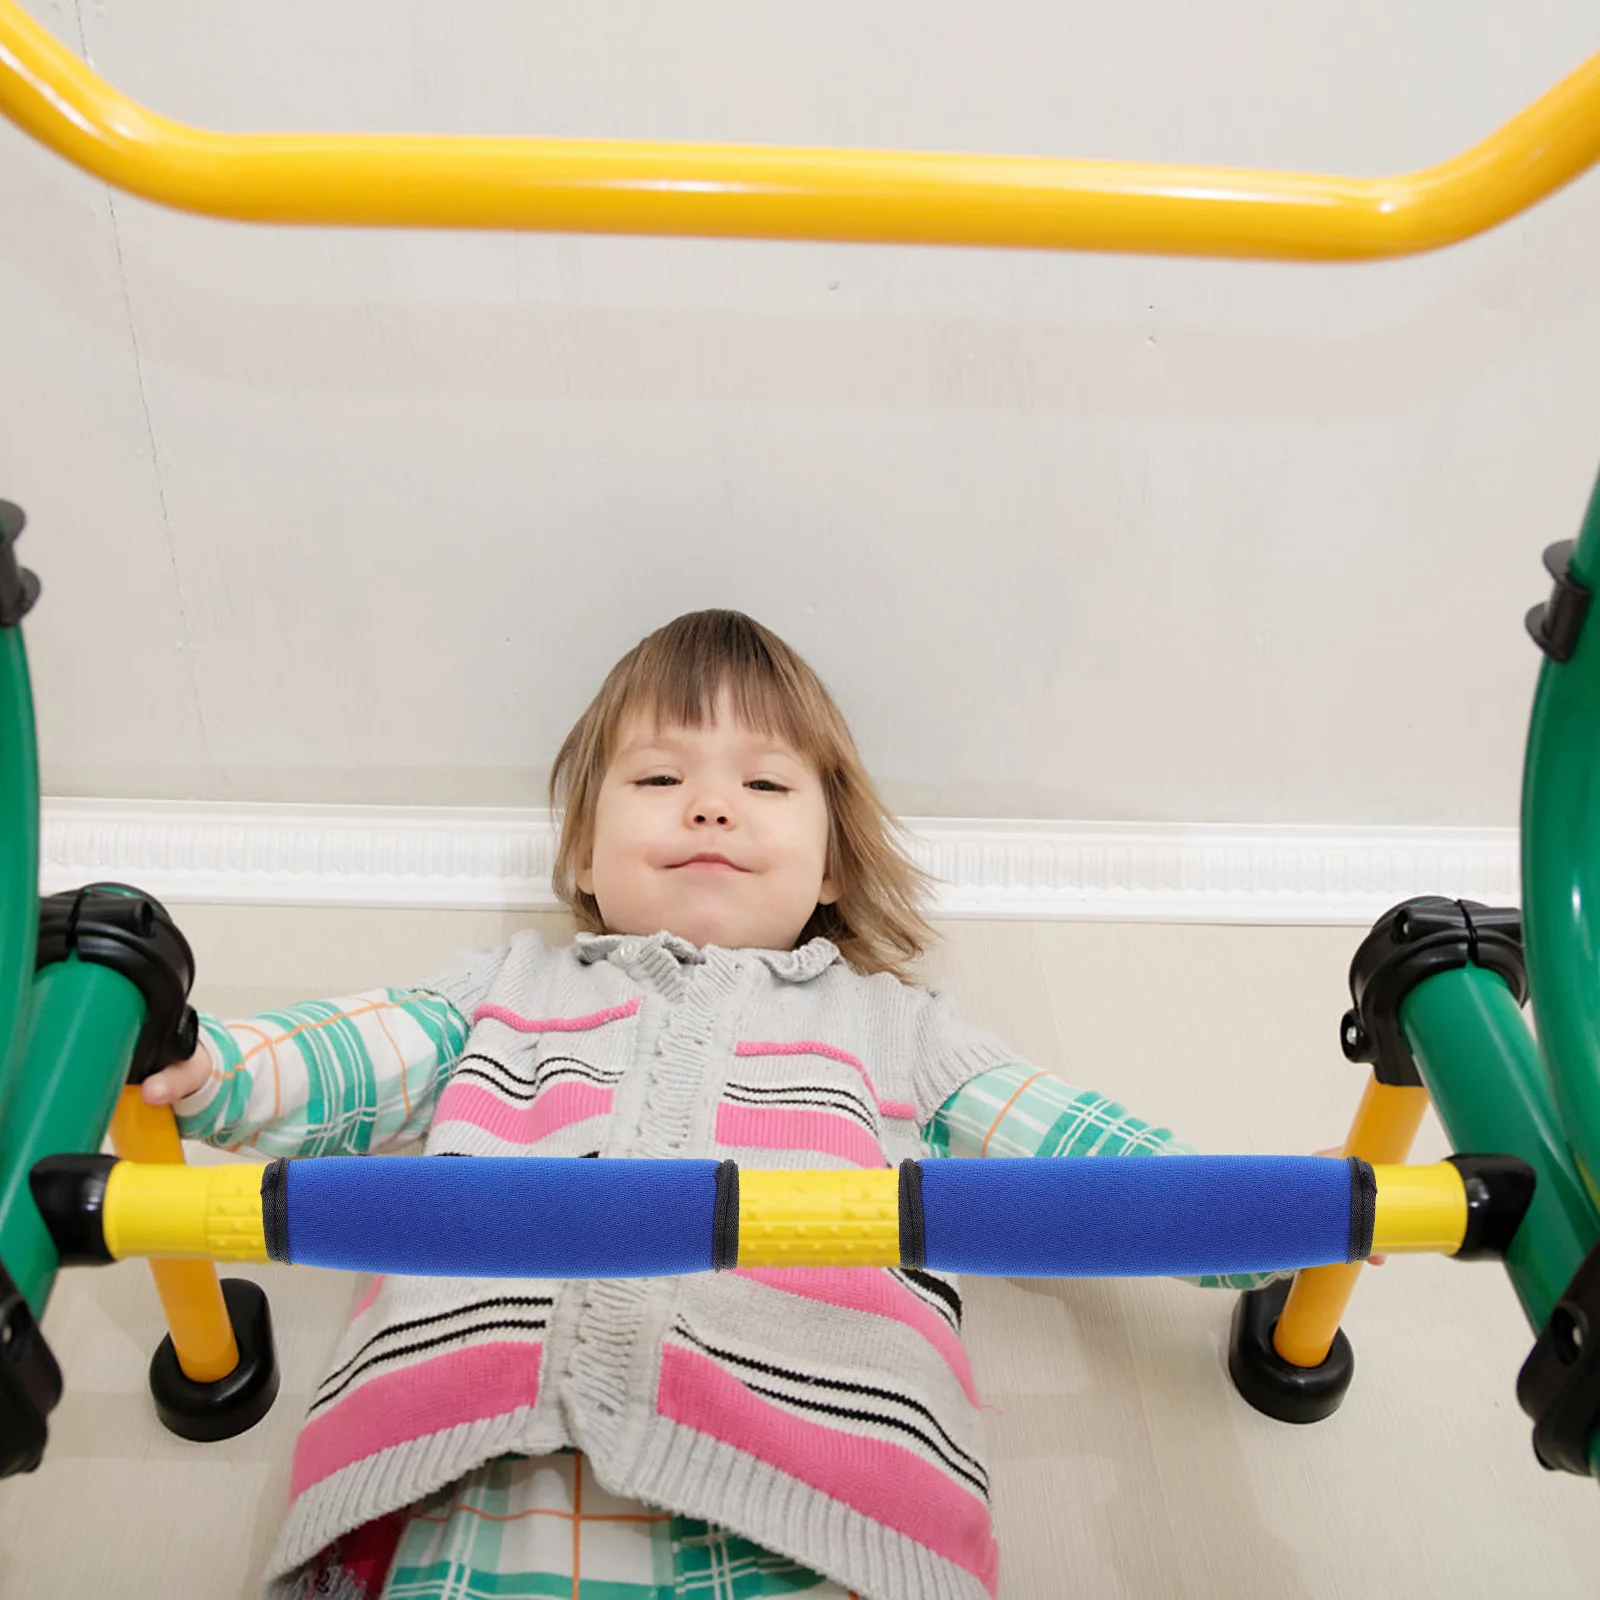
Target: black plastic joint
(129, 931)
(1559, 1385)
(275, 1210)
(1556, 625)
(913, 1219)
(70, 1192)
(18, 587)
(1499, 1192)
(30, 1383)
(1409, 944)
(1363, 1208)
(725, 1218)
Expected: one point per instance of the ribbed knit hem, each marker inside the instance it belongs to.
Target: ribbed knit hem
(394, 1479)
(953, 1070)
(694, 1475)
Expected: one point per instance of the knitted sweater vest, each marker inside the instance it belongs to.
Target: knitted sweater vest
(827, 1414)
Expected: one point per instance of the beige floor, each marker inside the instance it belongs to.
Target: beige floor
(1125, 1465)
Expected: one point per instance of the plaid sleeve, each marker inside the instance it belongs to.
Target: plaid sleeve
(1018, 1110)
(326, 1077)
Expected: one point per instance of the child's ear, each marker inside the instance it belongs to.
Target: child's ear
(584, 876)
(828, 891)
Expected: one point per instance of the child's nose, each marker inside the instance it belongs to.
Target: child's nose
(708, 806)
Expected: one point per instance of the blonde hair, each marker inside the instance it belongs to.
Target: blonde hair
(675, 677)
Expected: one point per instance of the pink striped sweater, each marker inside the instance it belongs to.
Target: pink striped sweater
(826, 1414)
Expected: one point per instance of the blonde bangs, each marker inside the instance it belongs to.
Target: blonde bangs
(679, 675)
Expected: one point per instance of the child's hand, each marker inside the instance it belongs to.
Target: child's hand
(1372, 1261)
(177, 1082)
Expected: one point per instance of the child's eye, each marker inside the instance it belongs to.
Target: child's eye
(767, 786)
(659, 780)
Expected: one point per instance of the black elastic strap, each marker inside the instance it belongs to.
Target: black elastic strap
(1363, 1208)
(725, 1218)
(913, 1227)
(275, 1209)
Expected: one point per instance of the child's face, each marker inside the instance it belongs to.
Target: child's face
(673, 796)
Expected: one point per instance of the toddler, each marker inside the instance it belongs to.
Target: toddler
(738, 988)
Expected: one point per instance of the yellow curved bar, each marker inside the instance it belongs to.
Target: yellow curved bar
(741, 191)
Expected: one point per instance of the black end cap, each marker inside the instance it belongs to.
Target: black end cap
(18, 587)
(1275, 1387)
(70, 1193)
(1499, 1192)
(1556, 625)
(206, 1412)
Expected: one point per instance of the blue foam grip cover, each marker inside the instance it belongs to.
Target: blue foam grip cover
(501, 1217)
(1135, 1216)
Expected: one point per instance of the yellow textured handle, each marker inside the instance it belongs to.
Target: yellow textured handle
(1419, 1209)
(168, 1210)
(813, 1219)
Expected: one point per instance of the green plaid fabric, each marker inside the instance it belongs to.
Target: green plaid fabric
(1017, 1110)
(326, 1077)
(520, 1529)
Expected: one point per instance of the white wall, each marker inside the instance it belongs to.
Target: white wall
(329, 516)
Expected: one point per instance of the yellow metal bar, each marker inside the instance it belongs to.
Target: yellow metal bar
(816, 1219)
(1420, 1210)
(1383, 1131)
(191, 1294)
(162, 1210)
(744, 191)
(793, 1219)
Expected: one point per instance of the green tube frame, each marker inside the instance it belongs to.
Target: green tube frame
(1561, 870)
(83, 1023)
(67, 1032)
(1482, 1070)
(19, 855)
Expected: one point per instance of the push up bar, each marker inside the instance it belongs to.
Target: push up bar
(533, 1217)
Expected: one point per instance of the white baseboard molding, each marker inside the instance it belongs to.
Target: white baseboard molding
(244, 854)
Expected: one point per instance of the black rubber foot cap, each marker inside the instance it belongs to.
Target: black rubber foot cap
(207, 1412)
(1275, 1386)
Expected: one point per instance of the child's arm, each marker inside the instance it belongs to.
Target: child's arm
(1017, 1110)
(330, 1077)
